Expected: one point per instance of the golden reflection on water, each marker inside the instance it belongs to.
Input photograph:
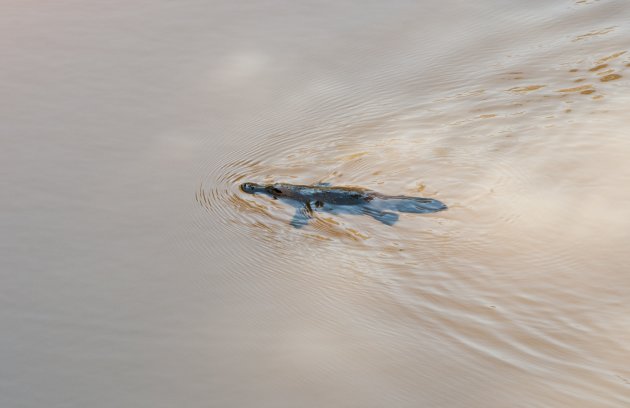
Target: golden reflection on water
(610, 77)
(528, 88)
(517, 158)
(594, 33)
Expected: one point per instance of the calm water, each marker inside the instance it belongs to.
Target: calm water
(134, 273)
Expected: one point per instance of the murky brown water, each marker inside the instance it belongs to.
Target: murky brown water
(135, 273)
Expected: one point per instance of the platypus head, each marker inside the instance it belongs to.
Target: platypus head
(270, 189)
(253, 188)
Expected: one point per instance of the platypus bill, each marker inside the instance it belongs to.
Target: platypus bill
(348, 200)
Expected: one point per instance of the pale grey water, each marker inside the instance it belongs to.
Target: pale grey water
(134, 273)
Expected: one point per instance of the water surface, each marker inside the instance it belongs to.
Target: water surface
(135, 273)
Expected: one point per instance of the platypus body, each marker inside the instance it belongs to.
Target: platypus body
(353, 200)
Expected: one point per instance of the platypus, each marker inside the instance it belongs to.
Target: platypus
(353, 200)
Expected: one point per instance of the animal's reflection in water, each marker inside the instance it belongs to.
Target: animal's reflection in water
(343, 200)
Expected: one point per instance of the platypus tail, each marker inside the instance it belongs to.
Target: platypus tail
(417, 205)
